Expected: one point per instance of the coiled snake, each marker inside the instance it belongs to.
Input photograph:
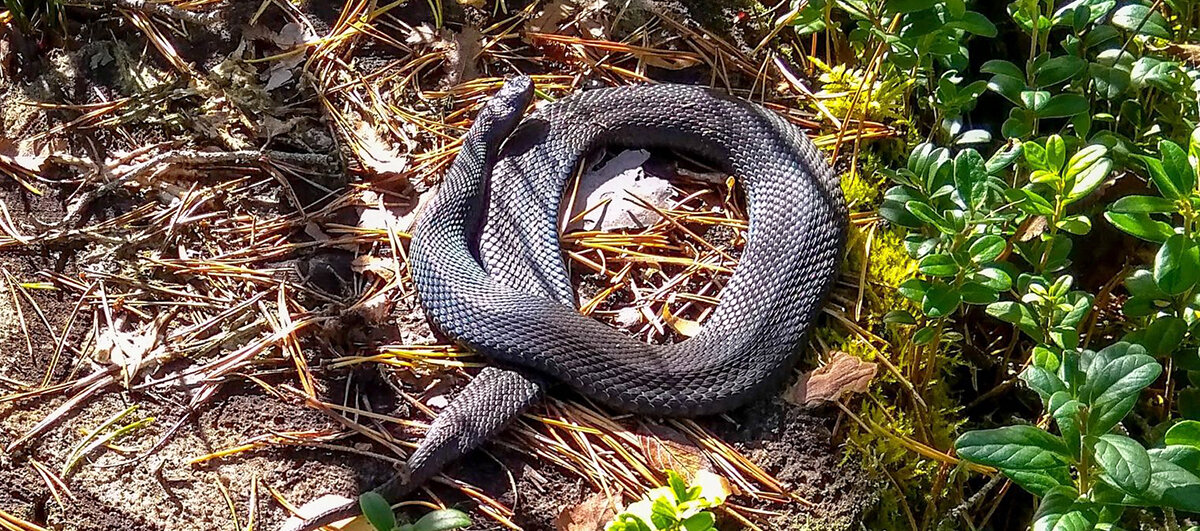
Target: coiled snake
(493, 278)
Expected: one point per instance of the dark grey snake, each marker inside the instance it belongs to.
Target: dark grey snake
(493, 278)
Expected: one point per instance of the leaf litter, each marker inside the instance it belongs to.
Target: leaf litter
(222, 202)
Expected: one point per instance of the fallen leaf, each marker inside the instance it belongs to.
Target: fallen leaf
(460, 58)
(668, 449)
(384, 268)
(608, 195)
(685, 327)
(628, 316)
(129, 350)
(378, 155)
(590, 515)
(375, 309)
(422, 34)
(320, 505)
(843, 374)
(588, 15)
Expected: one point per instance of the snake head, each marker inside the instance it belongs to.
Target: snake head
(507, 105)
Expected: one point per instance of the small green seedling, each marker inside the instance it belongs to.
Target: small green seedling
(675, 507)
(379, 514)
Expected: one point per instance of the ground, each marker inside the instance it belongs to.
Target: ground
(202, 242)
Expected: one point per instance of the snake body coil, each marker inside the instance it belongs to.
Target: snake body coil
(488, 268)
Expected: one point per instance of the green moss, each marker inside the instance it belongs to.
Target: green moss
(860, 190)
(877, 259)
(879, 101)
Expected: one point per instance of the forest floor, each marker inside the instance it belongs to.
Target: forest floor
(206, 318)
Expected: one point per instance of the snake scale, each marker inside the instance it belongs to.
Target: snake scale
(489, 272)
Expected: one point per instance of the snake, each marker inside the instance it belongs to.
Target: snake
(488, 269)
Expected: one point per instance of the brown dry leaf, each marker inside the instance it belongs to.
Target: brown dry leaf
(588, 15)
(590, 515)
(1187, 52)
(384, 268)
(685, 327)
(378, 155)
(554, 12)
(129, 350)
(843, 374)
(375, 309)
(460, 58)
(669, 449)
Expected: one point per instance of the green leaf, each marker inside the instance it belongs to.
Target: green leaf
(908, 6)
(994, 278)
(1063, 106)
(974, 23)
(1186, 433)
(892, 208)
(970, 177)
(940, 300)
(1056, 153)
(807, 20)
(1003, 158)
(442, 520)
(1177, 265)
(976, 293)
(1039, 482)
(678, 486)
(1009, 87)
(377, 510)
(925, 335)
(1058, 69)
(1114, 382)
(1034, 100)
(663, 514)
(1030, 201)
(1018, 125)
(1017, 313)
(925, 213)
(1109, 81)
(703, 521)
(1060, 510)
(1087, 169)
(974, 136)
(1183, 455)
(1066, 413)
(1178, 169)
(1002, 67)
(1188, 401)
(1164, 335)
(1140, 19)
(1035, 156)
(1141, 283)
(1188, 359)
(986, 249)
(1172, 485)
(1044, 382)
(1162, 180)
(902, 317)
(1077, 224)
(1126, 463)
(1013, 448)
(1143, 204)
(1141, 225)
(913, 289)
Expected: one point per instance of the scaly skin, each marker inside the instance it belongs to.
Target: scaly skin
(493, 278)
